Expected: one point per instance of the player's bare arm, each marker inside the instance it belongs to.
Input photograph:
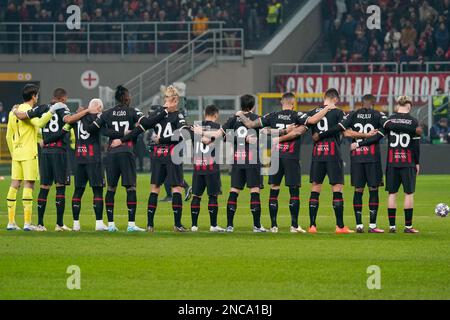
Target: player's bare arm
(369, 141)
(319, 115)
(293, 134)
(208, 134)
(72, 118)
(349, 133)
(247, 122)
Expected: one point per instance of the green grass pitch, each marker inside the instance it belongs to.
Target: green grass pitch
(243, 265)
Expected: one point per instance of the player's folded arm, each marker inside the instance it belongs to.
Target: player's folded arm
(95, 125)
(153, 118)
(399, 127)
(72, 118)
(50, 138)
(315, 118)
(288, 136)
(331, 132)
(133, 134)
(42, 121)
(372, 140)
(253, 124)
(35, 112)
(182, 134)
(110, 133)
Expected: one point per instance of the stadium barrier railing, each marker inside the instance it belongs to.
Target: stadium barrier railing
(183, 64)
(120, 38)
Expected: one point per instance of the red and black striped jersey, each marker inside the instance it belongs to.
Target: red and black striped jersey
(121, 119)
(327, 149)
(365, 120)
(204, 156)
(403, 147)
(168, 139)
(52, 133)
(87, 144)
(280, 120)
(245, 155)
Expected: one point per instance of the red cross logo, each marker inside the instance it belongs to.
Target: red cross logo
(89, 79)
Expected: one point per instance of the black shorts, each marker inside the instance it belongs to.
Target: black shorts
(400, 176)
(333, 169)
(166, 172)
(241, 176)
(210, 181)
(122, 165)
(290, 169)
(92, 172)
(53, 168)
(366, 173)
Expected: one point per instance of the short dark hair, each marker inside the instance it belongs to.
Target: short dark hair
(59, 93)
(120, 94)
(211, 110)
(247, 102)
(369, 98)
(331, 93)
(288, 96)
(28, 91)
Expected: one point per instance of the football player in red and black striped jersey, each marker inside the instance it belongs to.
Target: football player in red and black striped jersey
(403, 159)
(366, 166)
(327, 161)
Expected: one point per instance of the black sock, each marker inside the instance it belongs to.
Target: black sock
(231, 207)
(97, 202)
(213, 208)
(42, 203)
(357, 206)
(60, 205)
(151, 209)
(373, 205)
(76, 203)
(273, 206)
(391, 214)
(338, 206)
(294, 205)
(255, 208)
(408, 217)
(177, 206)
(109, 203)
(131, 204)
(313, 207)
(195, 209)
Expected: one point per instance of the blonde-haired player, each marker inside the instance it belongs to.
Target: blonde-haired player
(403, 159)
(21, 137)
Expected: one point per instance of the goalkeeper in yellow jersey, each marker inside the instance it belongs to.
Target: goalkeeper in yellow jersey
(21, 137)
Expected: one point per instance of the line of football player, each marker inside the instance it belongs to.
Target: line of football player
(122, 124)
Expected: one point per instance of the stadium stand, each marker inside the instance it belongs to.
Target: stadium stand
(259, 19)
(412, 31)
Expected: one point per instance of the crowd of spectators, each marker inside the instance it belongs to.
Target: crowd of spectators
(258, 18)
(411, 31)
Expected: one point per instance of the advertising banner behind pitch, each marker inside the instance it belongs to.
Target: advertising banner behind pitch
(383, 86)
